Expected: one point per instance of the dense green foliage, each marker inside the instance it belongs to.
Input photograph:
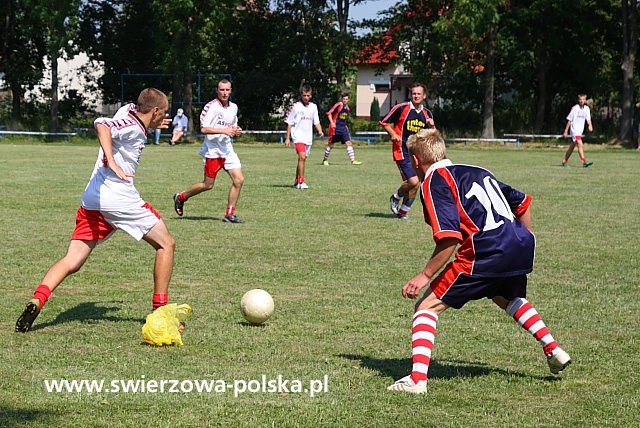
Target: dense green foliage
(491, 65)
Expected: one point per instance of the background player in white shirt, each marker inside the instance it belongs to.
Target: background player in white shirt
(579, 114)
(110, 201)
(300, 122)
(219, 122)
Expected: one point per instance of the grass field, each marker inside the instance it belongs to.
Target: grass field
(334, 259)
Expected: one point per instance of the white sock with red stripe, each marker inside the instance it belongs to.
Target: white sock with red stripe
(351, 153)
(327, 152)
(526, 315)
(423, 336)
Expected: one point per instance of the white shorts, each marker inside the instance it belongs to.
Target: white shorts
(92, 225)
(232, 161)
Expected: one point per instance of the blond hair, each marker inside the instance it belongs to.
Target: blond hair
(427, 145)
(150, 98)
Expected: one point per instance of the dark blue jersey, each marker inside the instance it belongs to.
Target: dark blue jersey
(406, 121)
(469, 204)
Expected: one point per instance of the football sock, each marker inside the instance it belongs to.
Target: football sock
(406, 206)
(327, 152)
(423, 335)
(231, 210)
(42, 294)
(526, 315)
(182, 197)
(350, 152)
(160, 299)
(584, 160)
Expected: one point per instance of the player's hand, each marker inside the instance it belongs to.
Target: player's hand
(395, 138)
(412, 288)
(430, 122)
(287, 143)
(119, 172)
(565, 135)
(321, 134)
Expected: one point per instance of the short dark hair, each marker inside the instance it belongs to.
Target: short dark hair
(150, 98)
(421, 85)
(305, 88)
(344, 94)
(224, 81)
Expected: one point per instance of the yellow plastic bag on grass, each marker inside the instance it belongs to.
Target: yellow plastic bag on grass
(163, 326)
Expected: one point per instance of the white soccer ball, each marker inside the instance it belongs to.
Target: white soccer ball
(256, 306)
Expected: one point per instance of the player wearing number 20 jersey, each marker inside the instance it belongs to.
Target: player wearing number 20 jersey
(469, 204)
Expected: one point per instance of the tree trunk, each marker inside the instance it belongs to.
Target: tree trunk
(629, 49)
(342, 8)
(54, 93)
(16, 101)
(541, 111)
(487, 109)
(188, 96)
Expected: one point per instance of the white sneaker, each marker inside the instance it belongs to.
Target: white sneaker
(296, 186)
(406, 384)
(558, 360)
(303, 186)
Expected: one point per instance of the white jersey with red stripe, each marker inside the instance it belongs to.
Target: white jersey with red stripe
(302, 119)
(105, 191)
(578, 116)
(215, 115)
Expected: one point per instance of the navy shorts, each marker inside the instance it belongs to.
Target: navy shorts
(406, 170)
(340, 136)
(466, 288)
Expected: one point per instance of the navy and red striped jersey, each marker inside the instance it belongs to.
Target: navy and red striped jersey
(469, 204)
(406, 121)
(340, 114)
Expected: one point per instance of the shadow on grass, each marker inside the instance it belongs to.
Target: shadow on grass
(395, 368)
(86, 312)
(248, 324)
(287, 186)
(381, 215)
(197, 218)
(14, 417)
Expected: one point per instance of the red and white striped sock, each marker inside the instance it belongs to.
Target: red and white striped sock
(423, 336)
(231, 210)
(351, 153)
(327, 152)
(526, 315)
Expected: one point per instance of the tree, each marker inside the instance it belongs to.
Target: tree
(629, 50)
(60, 27)
(22, 48)
(374, 110)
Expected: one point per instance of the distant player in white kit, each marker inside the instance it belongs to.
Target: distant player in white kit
(110, 201)
(579, 114)
(301, 120)
(219, 122)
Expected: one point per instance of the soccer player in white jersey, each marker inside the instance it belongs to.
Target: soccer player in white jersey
(110, 201)
(300, 122)
(219, 123)
(579, 114)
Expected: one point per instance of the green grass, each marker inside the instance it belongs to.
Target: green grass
(334, 260)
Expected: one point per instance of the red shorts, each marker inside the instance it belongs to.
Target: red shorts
(95, 225)
(213, 166)
(91, 225)
(300, 147)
